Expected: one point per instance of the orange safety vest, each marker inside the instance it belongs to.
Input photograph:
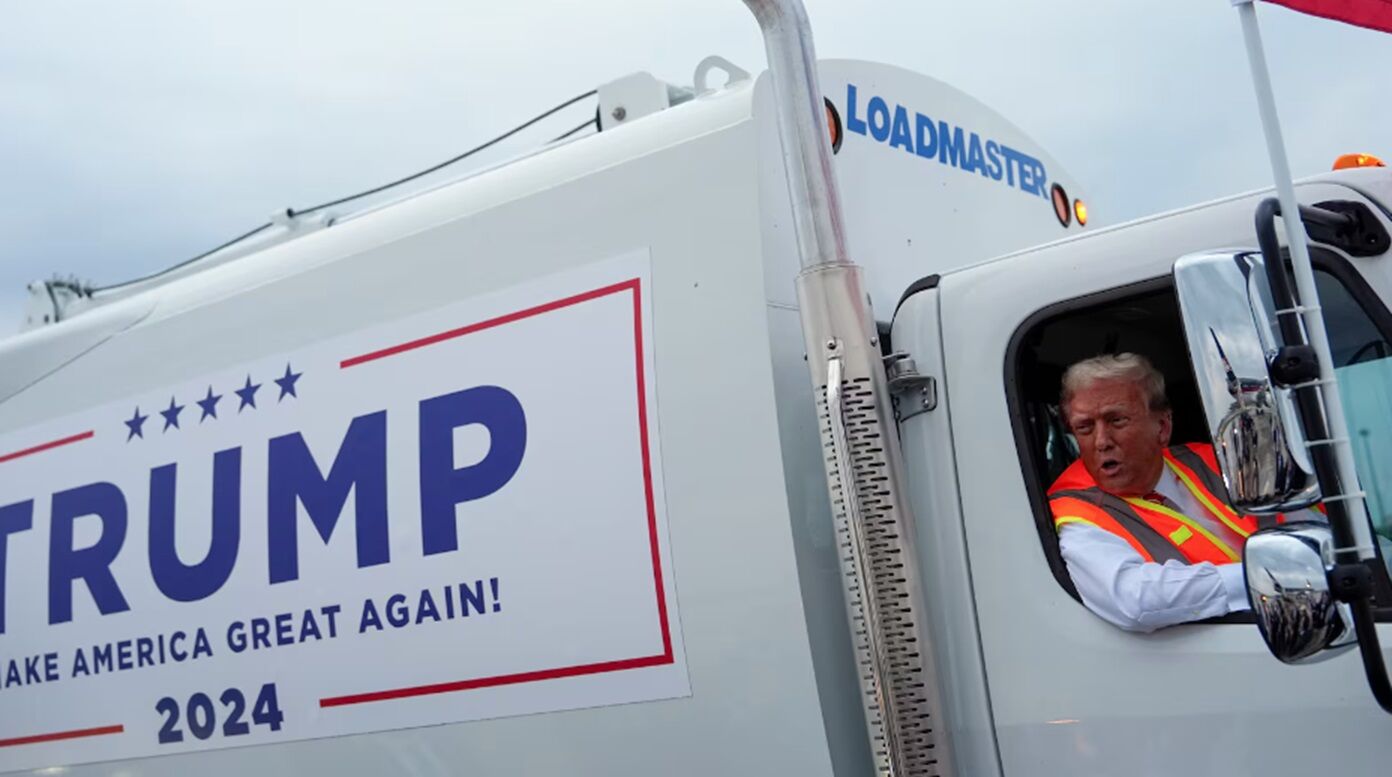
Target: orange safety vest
(1157, 532)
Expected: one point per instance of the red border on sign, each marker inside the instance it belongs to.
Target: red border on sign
(4, 457)
(61, 735)
(661, 659)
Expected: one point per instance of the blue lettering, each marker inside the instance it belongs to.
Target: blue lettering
(427, 608)
(144, 652)
(993, 163)
(284, 629)
(331, 612)
(14, 518)
(201, 646)
(294, 478)
(102, 659)
(370, 618)
(950, 144)
(442, 487)
(1032, 177)
(853, 122)
(309, 628)
(920, 134)
(927, 137)
(976, 162)
(471, 596)
(1027, 182)
(879, 119)
(236, 636)
(175, 651)
(1012, 161)
(67, 565)
(1041, 181)
(398, 614)
(175, 579)
(902, 137)
(260, 633)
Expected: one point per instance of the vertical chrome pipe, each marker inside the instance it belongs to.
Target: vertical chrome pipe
(875, 528)
(821, 237)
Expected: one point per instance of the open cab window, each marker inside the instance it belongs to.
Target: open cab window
(1145, 318)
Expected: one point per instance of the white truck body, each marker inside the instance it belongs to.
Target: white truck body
(692, 201)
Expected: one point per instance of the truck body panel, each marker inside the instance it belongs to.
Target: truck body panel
(753, 689)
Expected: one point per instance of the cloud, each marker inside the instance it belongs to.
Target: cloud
(153, 131)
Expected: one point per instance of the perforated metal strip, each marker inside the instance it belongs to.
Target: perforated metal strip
(894, 678)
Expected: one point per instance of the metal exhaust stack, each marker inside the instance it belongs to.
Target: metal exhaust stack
(875, 531)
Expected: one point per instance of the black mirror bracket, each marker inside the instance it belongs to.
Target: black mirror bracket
(1348, 226)
(1351, 583)
(1294, 365)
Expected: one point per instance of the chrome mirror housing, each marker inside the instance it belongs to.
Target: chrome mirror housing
(1288, 584)
(1229, 326)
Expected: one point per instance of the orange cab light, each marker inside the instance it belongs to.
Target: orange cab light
(1346, 161)
(1080, 211)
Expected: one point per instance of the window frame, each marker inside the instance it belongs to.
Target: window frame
(1027, 449)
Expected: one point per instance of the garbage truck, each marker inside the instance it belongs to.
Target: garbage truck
(524, 473)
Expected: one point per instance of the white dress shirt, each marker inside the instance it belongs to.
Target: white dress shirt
(1123, 588)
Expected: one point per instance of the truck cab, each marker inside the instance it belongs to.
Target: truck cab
(1066, 691)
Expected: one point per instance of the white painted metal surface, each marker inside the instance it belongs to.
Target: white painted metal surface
(928, 445)
(628, 99)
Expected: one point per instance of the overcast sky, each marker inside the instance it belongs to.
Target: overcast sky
(134, 135)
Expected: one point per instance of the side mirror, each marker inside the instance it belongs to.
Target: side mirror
(1288, 583)
(1229, 325)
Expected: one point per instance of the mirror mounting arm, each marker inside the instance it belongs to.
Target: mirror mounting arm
(1353, 584)
(1366, 628)
(1307, 397)
(1296, 365)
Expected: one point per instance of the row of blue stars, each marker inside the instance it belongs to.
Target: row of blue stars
(208, 404)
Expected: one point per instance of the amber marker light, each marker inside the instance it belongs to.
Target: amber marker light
(1347, 161)
(1080, 212)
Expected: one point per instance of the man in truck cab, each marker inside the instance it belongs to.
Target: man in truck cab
(1143, 526)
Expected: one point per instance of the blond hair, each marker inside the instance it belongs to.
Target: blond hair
(1121, 366)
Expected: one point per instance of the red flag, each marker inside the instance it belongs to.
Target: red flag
(1373, 14)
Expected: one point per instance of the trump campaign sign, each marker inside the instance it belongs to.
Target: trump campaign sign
(446, 518)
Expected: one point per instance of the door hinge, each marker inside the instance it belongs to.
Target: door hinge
(912, 392)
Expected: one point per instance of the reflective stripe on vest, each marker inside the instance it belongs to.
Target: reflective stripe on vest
(1107, 511)
(1157, 532)
(1185, 531)
(1197, 461)
(1200, 477)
